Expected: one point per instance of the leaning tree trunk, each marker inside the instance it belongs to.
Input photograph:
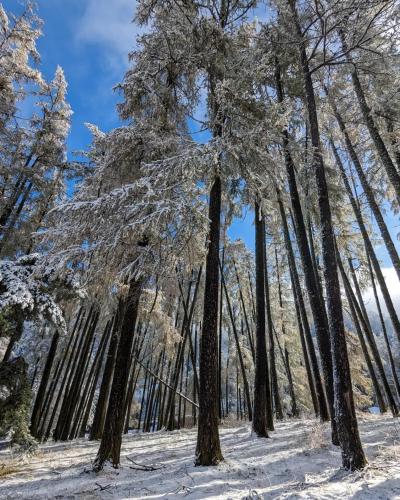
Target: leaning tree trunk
(368, 245)
(208, 451)
(351, 300)
(110, 446)
(307, 364)
(347, 428)
(238, 348)
(322, 407)
(310, 278)
(374, 133)
(384, 331)
(244, 310)
(262, 401)
(394, 256)
(364, 320)
(285, 357)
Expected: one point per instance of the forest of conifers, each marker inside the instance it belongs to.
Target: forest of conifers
(127, 305)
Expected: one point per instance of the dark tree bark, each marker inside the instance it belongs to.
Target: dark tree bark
(12, 201)
(71, 400)
(163, 397)
(294, 409)
(96, 431)
(37, 407)
(195, 390)
(188, 315)
(303, 320)
(57, 375)
(311, 282)
(68, 371)
(272, 359)
(262, 400)
(221, 305)
(88, 384)
(150, 398)
(48, 399)
(88, 404)
(227, 387)
(110, 446)
(208, 451)
(347, 428)
(73, 368)
(13, 219)
(146, 379)
(311, 383)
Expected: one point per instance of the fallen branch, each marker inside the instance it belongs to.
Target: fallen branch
(166, 383)
(103, 488)
(144, 467)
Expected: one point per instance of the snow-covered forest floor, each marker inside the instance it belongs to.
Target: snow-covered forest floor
(296, 462)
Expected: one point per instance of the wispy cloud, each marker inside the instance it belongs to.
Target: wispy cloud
(109, 23)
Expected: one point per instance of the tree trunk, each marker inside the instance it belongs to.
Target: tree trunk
(85, 419)
(356, 323)
(35, 418)
(362, 314)
(347, 428)
(88, 384)
(384, 331)
(312, 285)
(96, 431)
(368, 245)
(294, 410)
(394, 256)
(71, 400)
(68, 371)
(208, 451)
(380, 146)
(272, 360)
(262, 400)
(110, 446)
(322, 407)
(246, 319)
(238, 348)
(220, 328)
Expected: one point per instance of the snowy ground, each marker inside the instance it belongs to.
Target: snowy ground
(296, 462)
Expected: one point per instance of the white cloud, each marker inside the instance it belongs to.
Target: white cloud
(109, 22)
(393, 285)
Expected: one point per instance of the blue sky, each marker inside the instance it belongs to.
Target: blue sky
(91, 40)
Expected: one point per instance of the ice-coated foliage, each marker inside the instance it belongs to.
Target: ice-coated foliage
(34, 124)
(28, 290)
